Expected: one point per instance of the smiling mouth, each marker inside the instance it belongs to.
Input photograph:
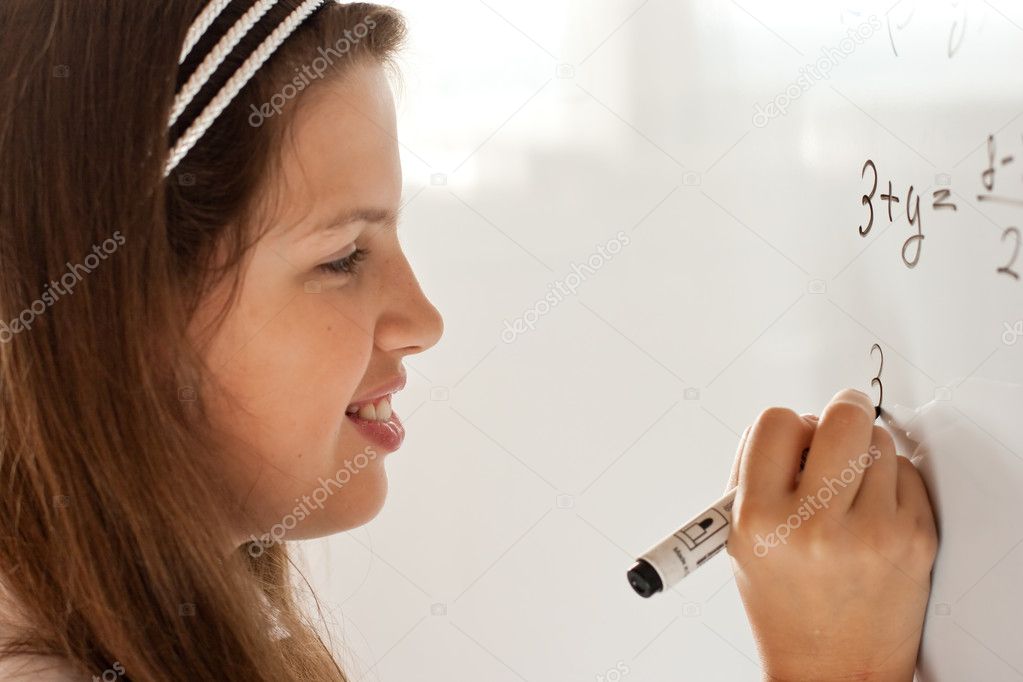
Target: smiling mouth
(377, 422)
(377, 410)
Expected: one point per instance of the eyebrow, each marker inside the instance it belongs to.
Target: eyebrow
(385, 216)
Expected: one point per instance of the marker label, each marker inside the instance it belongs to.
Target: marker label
(694, 543)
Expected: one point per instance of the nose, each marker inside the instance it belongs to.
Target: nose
(410, 323)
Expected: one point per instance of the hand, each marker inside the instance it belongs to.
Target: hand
(833, 565)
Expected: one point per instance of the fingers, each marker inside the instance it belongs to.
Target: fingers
(911, 493)
(877, 490)
(733, 478)
(914, 501)
(844, 432)
(812, 420)
(770, 460)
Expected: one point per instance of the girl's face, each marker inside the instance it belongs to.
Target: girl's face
(327, 310)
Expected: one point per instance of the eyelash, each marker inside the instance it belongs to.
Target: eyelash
(349, 265)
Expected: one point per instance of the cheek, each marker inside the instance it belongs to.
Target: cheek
(291, 373)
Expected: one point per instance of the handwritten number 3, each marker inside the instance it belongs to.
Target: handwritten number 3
(876, 381)
(868, 198)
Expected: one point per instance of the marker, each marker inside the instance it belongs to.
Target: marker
(678, 555)
(706, 534)
(900, 421)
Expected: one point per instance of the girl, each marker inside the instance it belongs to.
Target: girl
(205, 309)
(200, 344)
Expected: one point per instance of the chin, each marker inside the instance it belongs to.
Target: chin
(367, 506)
(355, 504)
(339, 502)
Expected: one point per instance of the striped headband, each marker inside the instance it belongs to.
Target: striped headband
(208, 66)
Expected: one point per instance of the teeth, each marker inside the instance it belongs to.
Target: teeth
(381, 411)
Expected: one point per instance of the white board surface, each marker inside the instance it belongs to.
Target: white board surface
(535, 469)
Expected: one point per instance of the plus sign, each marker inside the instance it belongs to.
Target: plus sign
(889, 198)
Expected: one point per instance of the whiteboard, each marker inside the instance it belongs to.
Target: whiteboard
(974, 477)
(894, 185)
(539, 464)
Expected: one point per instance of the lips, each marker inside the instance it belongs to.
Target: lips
(386, 390)
(374, 417)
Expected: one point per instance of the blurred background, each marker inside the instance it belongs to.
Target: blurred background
(634, 255)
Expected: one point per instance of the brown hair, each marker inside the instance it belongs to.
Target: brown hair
(111, 539)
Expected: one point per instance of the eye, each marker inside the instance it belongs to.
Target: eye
(349, 265)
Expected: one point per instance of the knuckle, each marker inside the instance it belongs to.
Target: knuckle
(906, 540)
(777, 417)
(817, 544)
(875, 548)
(847, 414)
(888, 539)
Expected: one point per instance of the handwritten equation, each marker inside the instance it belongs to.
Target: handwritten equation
(890, 203)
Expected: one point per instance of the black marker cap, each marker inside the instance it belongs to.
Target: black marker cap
(644, 579)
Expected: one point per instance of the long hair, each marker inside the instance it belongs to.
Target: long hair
(112, 539)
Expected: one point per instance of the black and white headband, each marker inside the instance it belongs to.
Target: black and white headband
(209, 65)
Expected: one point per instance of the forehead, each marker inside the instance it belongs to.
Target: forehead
(341, 149)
